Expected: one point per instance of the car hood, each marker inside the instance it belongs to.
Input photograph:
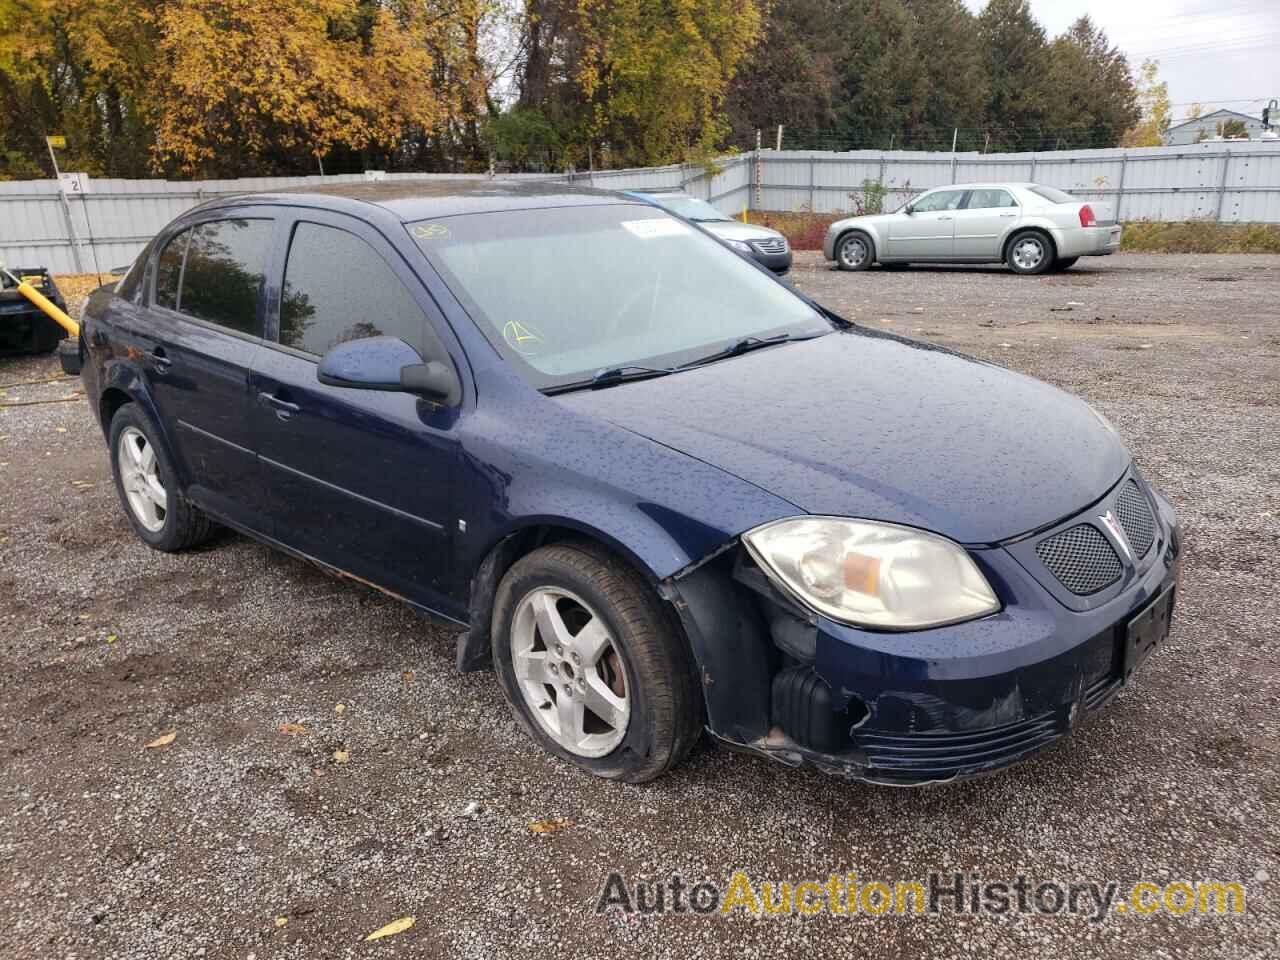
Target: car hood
(733, 230)
(864, 424)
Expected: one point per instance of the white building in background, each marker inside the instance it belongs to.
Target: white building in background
(1205, 127)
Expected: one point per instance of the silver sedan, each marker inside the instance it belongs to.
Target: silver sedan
(1030, 227)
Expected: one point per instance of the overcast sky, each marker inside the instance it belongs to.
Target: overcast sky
(1221, 54)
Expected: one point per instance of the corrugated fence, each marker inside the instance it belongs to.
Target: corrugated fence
(106, 223)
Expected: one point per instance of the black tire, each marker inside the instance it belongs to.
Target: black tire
(1017, 256)
(1066, 263)
(667, 714)
(855, 251)
(184, 524)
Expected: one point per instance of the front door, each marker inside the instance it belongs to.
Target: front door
(359, 479)
(928, 231)
(983, 223)
(205, 320)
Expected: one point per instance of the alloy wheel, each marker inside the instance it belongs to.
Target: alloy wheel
(140, 478)
(853, 252)
(1028, 253)
(570, 672)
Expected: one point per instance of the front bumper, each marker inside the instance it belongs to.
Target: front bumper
(1097, 241)
(938, 705)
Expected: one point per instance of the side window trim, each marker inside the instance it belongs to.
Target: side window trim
(161, 250)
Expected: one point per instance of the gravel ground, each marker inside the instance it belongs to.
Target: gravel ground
(240, 840)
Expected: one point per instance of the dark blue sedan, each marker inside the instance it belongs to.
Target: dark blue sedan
(658, 490)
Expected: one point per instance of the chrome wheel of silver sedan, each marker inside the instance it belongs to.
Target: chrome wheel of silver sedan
(140, 477)
(569, 672)
(1028, 253)
(854, 252)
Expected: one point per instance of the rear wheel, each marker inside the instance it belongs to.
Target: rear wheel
(148, 486)
(592, 664)
(854, 252)
(1066, 263)
(1029, 252)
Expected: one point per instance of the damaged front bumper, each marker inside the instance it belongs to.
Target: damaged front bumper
(925, 706)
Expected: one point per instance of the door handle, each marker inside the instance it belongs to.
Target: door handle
(1007, 216)
(160, 360)
(284, 409)
(940, 219)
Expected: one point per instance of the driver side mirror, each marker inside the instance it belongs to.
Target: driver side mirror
(909, 209)
(388, 363)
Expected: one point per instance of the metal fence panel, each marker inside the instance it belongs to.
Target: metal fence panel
(1229, 182)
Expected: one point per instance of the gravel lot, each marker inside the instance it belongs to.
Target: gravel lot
(203, 847)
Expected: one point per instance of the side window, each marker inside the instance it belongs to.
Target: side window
(226, 268)
(337, 288)
(989, 199)
(169, 270)
(127, 287)
(942, 200)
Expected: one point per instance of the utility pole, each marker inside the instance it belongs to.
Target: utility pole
(955, 133)
(66, 204)
(779, 146)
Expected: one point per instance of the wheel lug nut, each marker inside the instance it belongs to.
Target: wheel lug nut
(568, 690)
(559, 650)
(576, 659)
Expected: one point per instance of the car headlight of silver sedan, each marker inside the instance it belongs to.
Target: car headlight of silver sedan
(740, 245)
(869, 574)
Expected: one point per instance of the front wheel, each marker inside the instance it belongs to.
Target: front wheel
(854, 252)
(593, 665)
(1029, 252)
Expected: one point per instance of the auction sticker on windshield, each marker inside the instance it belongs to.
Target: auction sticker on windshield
(651, 229)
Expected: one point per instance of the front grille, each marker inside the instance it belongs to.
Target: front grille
(1134, 513)
(771, 245)
(1081, 558)
(919, 756)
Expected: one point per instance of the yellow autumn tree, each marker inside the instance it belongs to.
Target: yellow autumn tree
(1157, 112)
(246, 80)
(655, 73)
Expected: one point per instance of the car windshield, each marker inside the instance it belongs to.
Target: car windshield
(564, 293)
(1053, 194)
(690, 208)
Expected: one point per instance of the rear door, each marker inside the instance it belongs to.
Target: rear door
(359, 479)
(206, 318)
(983, 222)
(928, 232)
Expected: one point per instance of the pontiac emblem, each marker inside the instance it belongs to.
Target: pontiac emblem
(1117, 533)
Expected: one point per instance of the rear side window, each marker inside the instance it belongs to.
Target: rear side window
(988, 199)
(337, 288)
(169, 270)
(128, 285)
(224, 275)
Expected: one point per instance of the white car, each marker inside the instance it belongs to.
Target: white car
(1030, 227)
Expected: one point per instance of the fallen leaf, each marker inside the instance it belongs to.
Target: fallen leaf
(292, 729)
(391, 929)
(163, 741)
(340, 709)
(550, 826)
(112, 638)
(407, 676)
(61, 429)
(281, 921)
(341, 756)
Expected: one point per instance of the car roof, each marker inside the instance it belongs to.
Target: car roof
(1005, 185)
(422, 199)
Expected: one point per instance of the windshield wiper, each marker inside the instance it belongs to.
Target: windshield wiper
(745, 345)
(611, 375)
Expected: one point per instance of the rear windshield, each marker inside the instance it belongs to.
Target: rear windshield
(565, 292)
(1053, 194)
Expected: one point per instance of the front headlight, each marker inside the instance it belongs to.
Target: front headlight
(868, 574)
(740, 245)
